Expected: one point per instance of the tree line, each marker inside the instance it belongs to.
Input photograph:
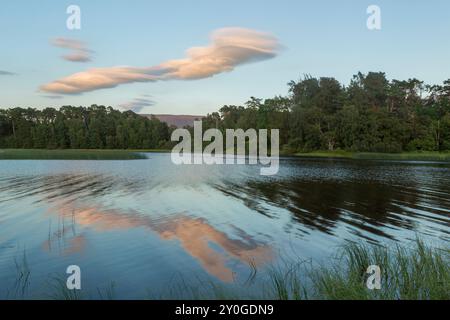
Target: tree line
(95, 127)
(371, 114)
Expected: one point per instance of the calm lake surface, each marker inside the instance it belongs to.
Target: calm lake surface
(146, 224)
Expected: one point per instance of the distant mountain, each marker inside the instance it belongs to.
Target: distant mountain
(178, 121)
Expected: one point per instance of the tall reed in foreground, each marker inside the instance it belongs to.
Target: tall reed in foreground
(419, 273)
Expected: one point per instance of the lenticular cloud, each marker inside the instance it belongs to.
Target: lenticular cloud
(79, 51)
(229, 48)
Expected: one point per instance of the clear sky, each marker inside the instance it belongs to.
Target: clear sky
(134, 54)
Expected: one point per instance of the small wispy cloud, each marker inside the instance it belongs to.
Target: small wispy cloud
(53, 97)
(77, 57)
(79, 50)
(229, 48)
(7, 73)
(136, 105)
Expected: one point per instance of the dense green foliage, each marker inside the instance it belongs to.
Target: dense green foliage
(398, 156)
(371, 114)
(69, 154)
(96, 127)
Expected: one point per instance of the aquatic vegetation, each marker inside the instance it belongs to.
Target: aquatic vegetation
(69, 154)
(419, 272)
(401, 156)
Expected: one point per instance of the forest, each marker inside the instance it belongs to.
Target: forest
(94, 127)
(370, 114)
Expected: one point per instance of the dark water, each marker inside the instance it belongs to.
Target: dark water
(141, 224)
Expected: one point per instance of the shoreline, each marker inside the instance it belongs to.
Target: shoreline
(402, 156)
(136, 154)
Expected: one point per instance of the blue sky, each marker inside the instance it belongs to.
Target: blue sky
(321, 38)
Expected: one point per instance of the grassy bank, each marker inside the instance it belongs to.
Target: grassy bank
(406, 156)
(131, 154)
(68, 154)
(414, 273)
(417, 273)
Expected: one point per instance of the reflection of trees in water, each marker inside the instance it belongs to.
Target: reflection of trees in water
(366, 199)
(365, 207)
(70, 186)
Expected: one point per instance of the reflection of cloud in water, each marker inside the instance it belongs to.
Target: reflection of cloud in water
(64, 238)
(194, 234)
(76, 244)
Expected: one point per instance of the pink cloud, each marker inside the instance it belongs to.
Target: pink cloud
(79, 51)
(229, 48)
(77, 57)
